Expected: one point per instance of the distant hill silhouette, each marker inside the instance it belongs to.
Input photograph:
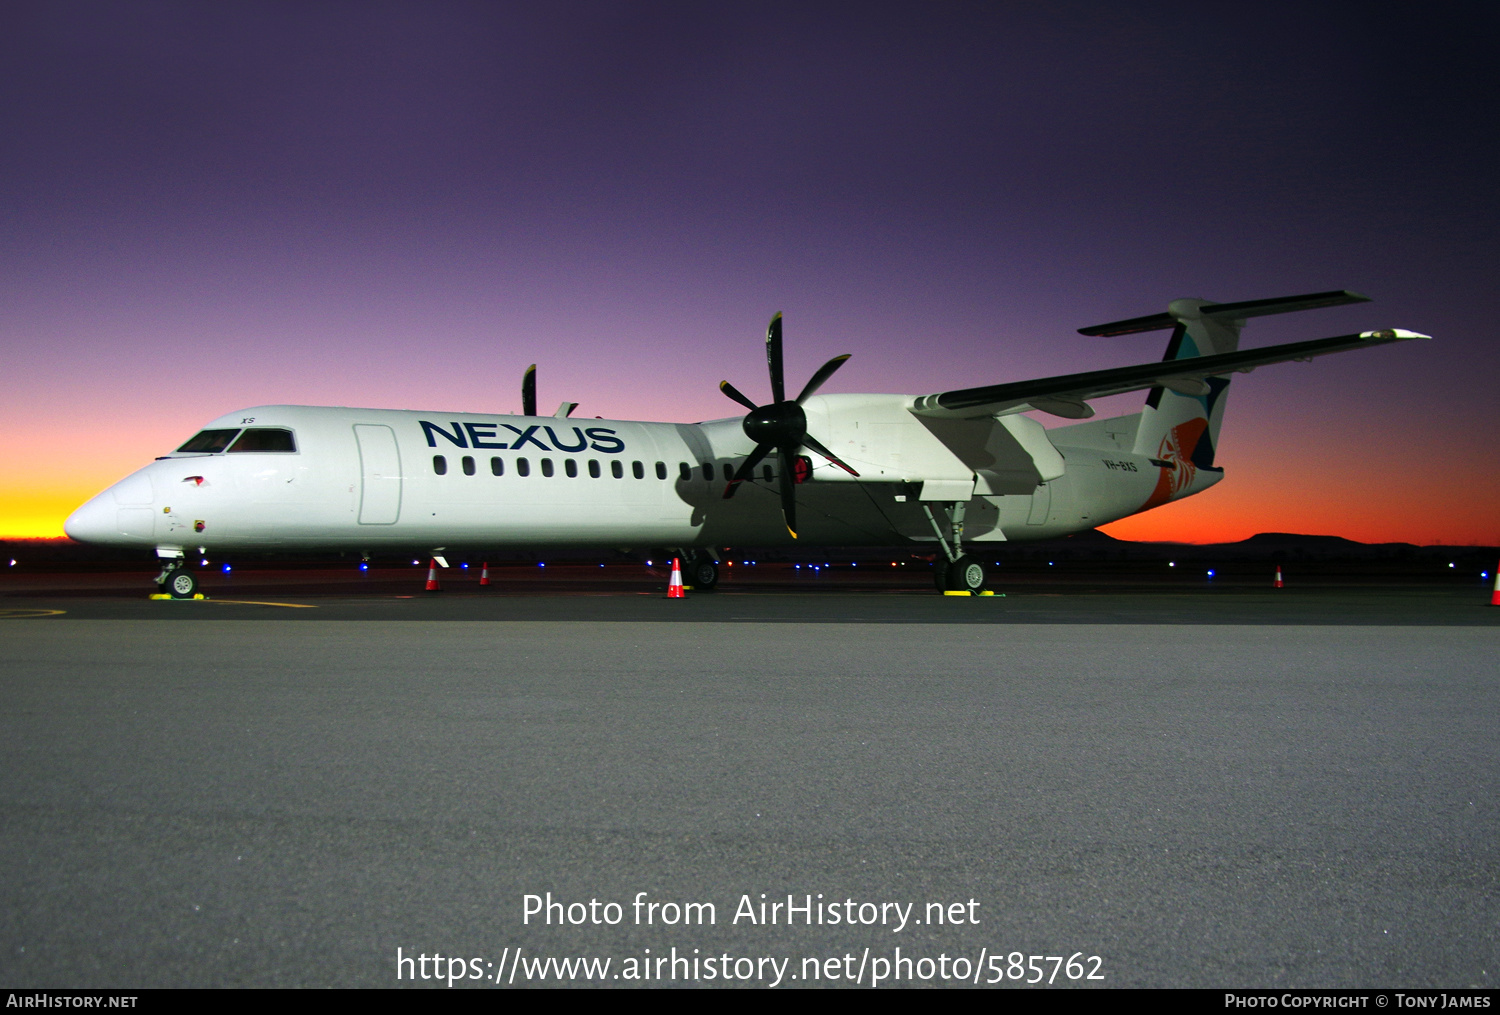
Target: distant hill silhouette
(1263, 546)
(1292, 538)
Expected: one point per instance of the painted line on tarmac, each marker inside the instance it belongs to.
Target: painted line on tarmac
(20, 614)
(254, 602)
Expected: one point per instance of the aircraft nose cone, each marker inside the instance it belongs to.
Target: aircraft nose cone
(94, 522)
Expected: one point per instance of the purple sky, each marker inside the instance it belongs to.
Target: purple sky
(208, 206)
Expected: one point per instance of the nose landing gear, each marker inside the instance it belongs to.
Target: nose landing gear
(175, 580)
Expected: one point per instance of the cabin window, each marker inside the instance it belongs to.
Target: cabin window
(264, 439)
(547, 467)
(616, 469)
(638, 470)
(523, 467)
(765, 472)
(209, 442)
(468, 466)
(661, 470)
(708, 471)
(497, 467)
(440, 465)
(684, 470)
(594, 468)
(571, 468)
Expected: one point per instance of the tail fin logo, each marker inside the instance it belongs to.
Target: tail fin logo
(1177, 449)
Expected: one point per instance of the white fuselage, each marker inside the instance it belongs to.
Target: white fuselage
(373, 479)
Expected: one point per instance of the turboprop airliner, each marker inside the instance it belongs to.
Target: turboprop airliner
(954, 472)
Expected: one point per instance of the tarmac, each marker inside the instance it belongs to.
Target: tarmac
(1206, 786)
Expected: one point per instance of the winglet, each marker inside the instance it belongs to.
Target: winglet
(1392, 333)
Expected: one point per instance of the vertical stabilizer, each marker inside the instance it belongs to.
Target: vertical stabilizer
(1180, 424)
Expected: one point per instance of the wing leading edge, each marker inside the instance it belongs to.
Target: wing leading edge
(1068, 394)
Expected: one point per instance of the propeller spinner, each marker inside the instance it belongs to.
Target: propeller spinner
(781, 426)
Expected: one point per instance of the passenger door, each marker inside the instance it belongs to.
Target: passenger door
(380, 472)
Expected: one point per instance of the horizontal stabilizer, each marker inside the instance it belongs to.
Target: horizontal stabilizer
(1151, 322)
(1185, 375)
(1230, 311)
(1283, 305)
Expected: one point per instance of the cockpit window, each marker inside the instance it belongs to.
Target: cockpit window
(209, 442)
(264, 439)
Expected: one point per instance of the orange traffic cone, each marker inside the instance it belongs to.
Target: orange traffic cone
(432, 578)
(1495, 596)
(674, 587)
(484, 574)
(1278, 576)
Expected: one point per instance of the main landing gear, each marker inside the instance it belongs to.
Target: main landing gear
(955, 571)
(699, 570)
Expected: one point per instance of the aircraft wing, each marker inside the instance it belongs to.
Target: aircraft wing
(1068, 395)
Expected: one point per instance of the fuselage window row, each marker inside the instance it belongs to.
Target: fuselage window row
(570, 468)
(549, 468)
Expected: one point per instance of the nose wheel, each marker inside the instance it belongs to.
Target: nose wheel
(182, 585)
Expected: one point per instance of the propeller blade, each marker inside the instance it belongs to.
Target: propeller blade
(811, 442)
(734, 393)
(747, 470)
(528, 392)
(818, 378)
(773, 358)
(788, 489)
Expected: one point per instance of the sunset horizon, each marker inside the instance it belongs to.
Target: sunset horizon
(248, 205)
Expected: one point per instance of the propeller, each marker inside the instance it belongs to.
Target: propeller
(781, 426)
(528, 391)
